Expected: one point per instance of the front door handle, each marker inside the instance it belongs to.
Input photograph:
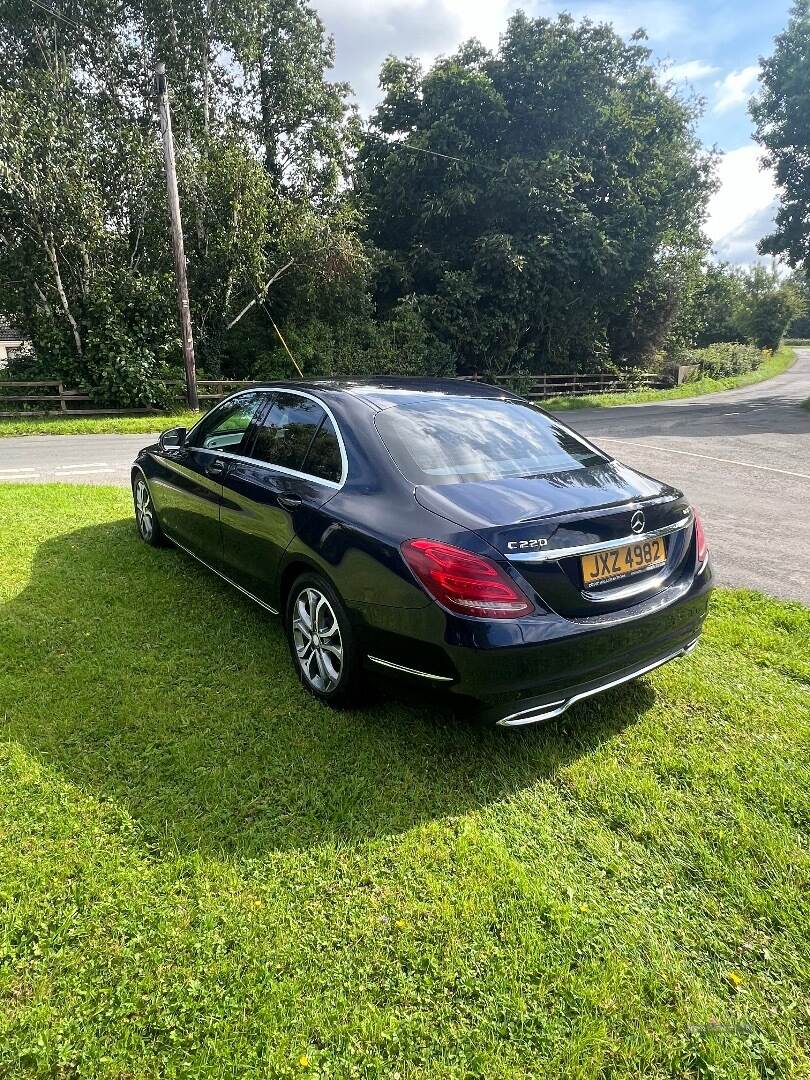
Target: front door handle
(216, 468)
(290, 502)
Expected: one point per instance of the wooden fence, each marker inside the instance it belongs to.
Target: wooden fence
(540, 387)
(51, 398)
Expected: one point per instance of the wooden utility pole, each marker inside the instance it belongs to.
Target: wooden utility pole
(178, 248)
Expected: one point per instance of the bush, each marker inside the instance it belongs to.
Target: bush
(724, 359)
(771, 314)
(356, 346)
(129, 343)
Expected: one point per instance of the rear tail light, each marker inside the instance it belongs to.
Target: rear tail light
(465, 583)
(701, 547)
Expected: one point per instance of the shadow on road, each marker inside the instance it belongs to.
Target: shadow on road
(771, 415)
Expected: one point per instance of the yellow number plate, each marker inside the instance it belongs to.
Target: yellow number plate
(621, 561)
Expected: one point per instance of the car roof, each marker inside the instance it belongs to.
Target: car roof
(385, 391)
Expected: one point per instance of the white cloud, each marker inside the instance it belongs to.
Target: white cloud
(740, 245)
(689, 71)
(736, 88)
(366, 31)
(484, 19)
(741, 211)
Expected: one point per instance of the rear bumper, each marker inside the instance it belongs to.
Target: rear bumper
(524, 671)
(547, 709)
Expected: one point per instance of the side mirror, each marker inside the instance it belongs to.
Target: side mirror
(172, 439)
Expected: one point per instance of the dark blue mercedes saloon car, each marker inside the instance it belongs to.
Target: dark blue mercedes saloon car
(444, 532)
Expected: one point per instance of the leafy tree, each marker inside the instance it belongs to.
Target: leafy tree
(300, 121)
(800, 326)
(79, 182)
(83, 233)
(772, 307)
(770, 317)
(729, 304)
(781, 113)
(714, 299)
(543, 196)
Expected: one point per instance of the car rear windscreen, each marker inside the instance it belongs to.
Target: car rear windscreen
(450, 440)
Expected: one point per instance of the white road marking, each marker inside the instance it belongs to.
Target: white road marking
(23, 474)
(81, 465)
(83, 470)
(2, 471)
(705, 457)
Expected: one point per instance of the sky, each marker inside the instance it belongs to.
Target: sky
(709, 47)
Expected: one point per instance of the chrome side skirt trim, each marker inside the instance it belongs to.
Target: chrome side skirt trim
(409, 670)
(550, 554)
(213, 569)
(556, 708)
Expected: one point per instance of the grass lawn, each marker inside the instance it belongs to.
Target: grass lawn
(138, 425)
(96, 425)
(205, 873)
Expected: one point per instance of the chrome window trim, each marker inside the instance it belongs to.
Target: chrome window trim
(213, 569)
(409, 670)
(274, 468)
(552, 554)
(344, 460)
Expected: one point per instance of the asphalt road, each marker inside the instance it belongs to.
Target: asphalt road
(742, 457)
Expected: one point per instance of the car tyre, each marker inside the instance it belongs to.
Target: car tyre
(146, 519)
(322, 643)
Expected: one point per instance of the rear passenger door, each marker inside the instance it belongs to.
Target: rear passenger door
(293, 466)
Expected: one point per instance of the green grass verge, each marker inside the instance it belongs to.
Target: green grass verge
(96, 425)
(205, 873)
(775, 365)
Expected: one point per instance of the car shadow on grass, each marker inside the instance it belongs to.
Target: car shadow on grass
(144, 680)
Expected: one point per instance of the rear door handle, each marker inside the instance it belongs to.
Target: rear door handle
(290, 502)
(216, 468)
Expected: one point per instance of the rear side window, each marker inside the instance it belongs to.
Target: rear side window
(323, 459)
(225, 427)
(453, 440)
(297, 434)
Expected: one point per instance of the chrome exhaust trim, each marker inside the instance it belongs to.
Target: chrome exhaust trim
(556, 708)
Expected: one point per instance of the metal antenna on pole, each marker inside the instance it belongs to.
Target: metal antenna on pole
(178, 248)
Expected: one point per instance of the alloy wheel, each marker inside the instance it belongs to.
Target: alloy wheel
(317, 639)
(144, 511)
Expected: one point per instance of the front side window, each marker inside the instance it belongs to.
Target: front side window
(452, 440)
(226, 425)
(297, 434)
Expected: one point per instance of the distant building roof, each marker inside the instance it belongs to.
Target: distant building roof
(9, 332)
